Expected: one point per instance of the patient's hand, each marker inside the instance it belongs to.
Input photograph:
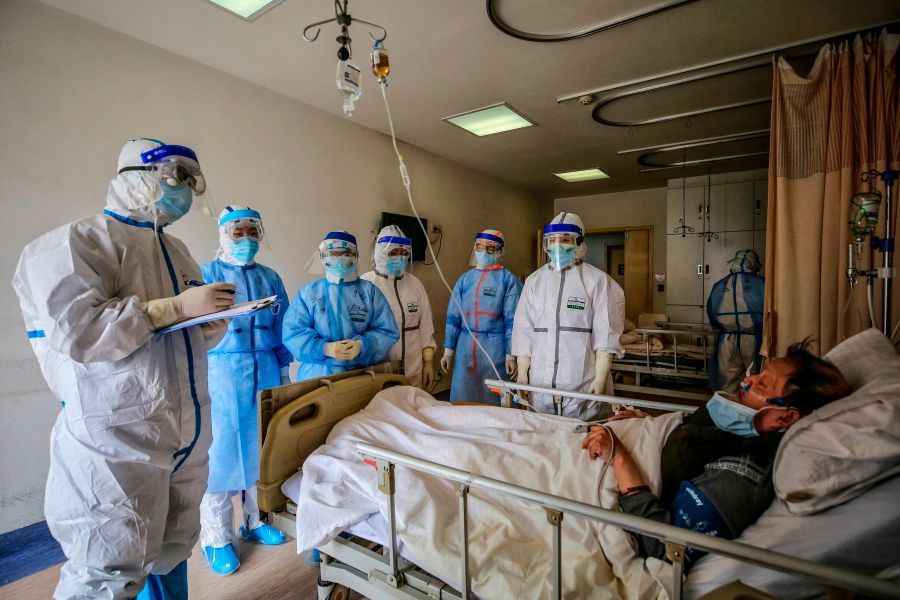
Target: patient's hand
(599, 443)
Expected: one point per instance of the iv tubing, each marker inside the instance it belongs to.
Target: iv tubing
(404, 174)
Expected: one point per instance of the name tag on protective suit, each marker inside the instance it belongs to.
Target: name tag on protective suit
(576, 303)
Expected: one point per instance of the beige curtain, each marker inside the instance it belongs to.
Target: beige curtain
(827, 128)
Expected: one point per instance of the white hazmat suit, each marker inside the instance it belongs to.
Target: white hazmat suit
(411, 307)
(128, 463)
(565, 317)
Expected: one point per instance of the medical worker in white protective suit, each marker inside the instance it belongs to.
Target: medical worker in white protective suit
(249, 359)
(409, 303)
(128, 452)
(568, 323)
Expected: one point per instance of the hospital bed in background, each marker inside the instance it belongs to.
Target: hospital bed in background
(296, 419)
(665, 358)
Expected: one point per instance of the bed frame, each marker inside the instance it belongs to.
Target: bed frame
(671, 371)
(296, 419)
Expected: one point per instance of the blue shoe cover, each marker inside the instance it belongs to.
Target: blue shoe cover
(264, 534)
(223, 561)
(313, 558)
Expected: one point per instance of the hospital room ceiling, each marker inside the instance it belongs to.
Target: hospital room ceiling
(447, 58)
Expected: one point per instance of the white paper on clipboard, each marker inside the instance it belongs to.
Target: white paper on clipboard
(238, 310)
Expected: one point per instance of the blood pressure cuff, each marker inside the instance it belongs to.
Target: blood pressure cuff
(693, 510)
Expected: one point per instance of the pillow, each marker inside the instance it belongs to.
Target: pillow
(846, 447)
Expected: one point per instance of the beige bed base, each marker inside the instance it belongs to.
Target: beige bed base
(296, 419)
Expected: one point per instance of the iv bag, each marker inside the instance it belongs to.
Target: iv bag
(348, 84)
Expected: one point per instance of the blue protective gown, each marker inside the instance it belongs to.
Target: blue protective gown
(248, 359)
(325, 312)
(488, 298)
(735, 309)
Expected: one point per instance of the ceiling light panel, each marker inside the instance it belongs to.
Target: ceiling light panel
(490, 120)
(585, 175)
(246, 9)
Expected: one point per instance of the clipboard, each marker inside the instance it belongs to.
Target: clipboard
(243, 309)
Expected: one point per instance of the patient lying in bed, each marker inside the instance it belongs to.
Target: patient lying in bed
(510, 541)
(717, 465)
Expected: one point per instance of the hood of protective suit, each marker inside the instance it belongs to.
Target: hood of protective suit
(573, 219)
(745, 261)
(133, 193)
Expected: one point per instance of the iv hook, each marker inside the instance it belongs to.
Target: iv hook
(342, 18)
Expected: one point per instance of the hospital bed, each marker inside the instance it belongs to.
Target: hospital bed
(667, 358)
(296, 419)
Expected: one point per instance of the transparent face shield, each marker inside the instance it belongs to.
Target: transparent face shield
(392, 255)
(177, 173)
(561, 243)
(334, 254)
(487, 251)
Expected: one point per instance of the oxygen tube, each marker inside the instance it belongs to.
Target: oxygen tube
(404, 175)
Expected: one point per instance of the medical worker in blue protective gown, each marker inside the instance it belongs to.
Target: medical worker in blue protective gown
(128, 451)
(568, 324)
(250, 358)
(486, 298)
(340, 322)
(409, 303)
(735, 310)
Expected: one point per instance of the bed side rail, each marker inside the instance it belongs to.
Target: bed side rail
(558, 394)
(676, 539)
(296, 419)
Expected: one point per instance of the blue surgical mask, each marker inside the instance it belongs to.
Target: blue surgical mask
(340, 267)
(396, 265)
(561, 255)
(244, 249)
(484, 259)
(176, 201)
(731, 416)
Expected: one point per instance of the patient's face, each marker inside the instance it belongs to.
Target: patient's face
(765, 391)
(768, 387)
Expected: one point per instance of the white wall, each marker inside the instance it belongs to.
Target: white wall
(73, 92)
(621, 209)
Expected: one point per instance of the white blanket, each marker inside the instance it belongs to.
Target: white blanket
(509, 540)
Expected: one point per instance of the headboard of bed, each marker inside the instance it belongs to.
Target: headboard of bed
(296, 419)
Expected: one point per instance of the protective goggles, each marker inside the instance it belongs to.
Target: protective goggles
(562, 233)
(173, 165)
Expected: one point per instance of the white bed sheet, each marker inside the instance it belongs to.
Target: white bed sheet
(510, 541)
(862, 535)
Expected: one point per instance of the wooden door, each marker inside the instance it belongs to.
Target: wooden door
(638, 297)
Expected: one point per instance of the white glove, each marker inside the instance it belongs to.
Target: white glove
(204, 299)
(511, 366)
(427, 367)
(447, 360)
(602, 364)
(523, 364)
(343, 349)
(352, 348)
(333, 350)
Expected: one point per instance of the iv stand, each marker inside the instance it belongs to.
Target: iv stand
(884, 245)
